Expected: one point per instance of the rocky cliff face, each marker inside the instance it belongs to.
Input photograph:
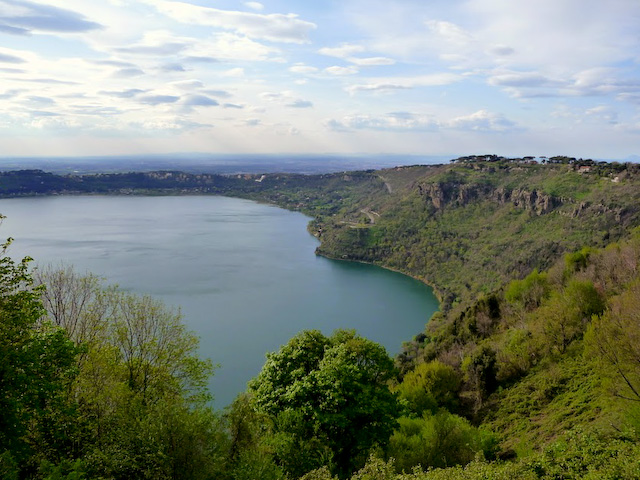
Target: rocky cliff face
(442, 194)
(538, 203)
(620, 214)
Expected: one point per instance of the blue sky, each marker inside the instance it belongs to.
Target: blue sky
(103, 77)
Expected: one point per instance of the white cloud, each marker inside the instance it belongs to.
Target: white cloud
(155, 43)
(403, 83)
(347, 52)
(605, 81)
(337, 70)
(197, 100)
(303, 69)
(217, 93)
(603, 114)
(343, 51)
(188, 85)
(258, 7)
(158, 99)
(501, 50)
(230, 46)
(482, 120)
(274, 95)
(285, 98)
(524, 79)
(234, 72)
(57, 124)
(128, 73)
(132, 70)
(397, 121)
(300, 104)
(449, 32)
(6, 58)
(629, 97)
(129, 93)
(371, 61)
(38, 101)
(286, 28)
(556, 40)
(27, 17)
(599, 81)
(170, 124)
(561, 36)
(375, 87)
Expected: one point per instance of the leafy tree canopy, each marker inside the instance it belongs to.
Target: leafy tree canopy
(333, 392)
(37, 363)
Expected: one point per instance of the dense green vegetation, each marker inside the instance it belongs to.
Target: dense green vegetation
(548, 364)
(530, 370)
(99, 383)
(540, 379)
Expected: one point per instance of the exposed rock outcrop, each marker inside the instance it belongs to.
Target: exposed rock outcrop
(442, 194)
(596, 209)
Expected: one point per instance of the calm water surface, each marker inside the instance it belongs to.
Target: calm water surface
(243, 273)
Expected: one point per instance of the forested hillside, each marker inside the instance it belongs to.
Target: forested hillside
(468, 228)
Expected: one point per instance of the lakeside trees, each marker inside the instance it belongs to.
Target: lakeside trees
(36, 369)
(99, 383)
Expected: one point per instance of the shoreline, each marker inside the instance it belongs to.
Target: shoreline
(434, 289)
(436, 292)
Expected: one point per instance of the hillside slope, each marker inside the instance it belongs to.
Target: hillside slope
(467, 229)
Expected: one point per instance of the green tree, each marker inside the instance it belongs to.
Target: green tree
(430, 386)
(37, 363)
(153, 421)
(530, 291)
(576, 261)
(480, 372)
(141, 389)
(566, 315)
(250, 453)
(438, 440)
(329, 394)
(518, 354)
(614, 338)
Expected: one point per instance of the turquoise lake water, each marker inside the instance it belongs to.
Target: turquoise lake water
(244, 274)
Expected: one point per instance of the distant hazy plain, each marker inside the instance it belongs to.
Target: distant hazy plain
(244, 274)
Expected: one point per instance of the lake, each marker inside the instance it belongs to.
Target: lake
(243, 273)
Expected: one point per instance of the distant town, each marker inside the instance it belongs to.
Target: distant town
(581, 165)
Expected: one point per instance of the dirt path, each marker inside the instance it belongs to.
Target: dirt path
(372, 215)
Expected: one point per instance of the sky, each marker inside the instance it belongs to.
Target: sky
(423, 77)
